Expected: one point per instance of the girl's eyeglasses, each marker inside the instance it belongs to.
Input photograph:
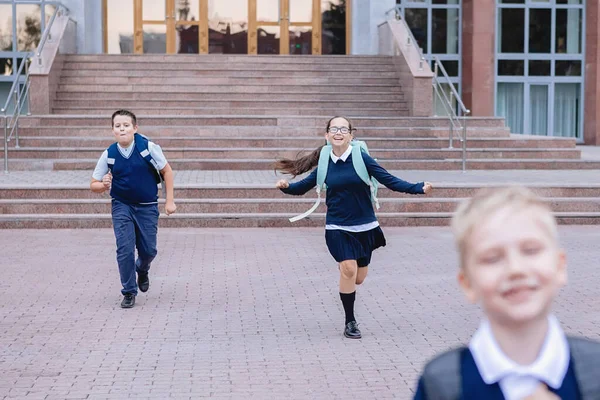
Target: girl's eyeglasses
(342, 130)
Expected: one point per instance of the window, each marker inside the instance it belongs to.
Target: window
(539, 66)
(436, 26)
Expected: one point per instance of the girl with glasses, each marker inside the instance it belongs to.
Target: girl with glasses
(352, 231)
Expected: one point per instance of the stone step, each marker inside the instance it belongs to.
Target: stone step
(226, 80)
(308, 142)
(89, 221)
(262, 121)
(191, 67)
(48, 190)
(156, 132)
(228, 59)
(208, 95)
(274, 105)
(204, 111)
(16, 164)
(233, 73)
(267, 205)
(273, 89)
(183, 154)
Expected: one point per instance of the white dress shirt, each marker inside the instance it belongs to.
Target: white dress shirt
(519, 381)
(102, 164)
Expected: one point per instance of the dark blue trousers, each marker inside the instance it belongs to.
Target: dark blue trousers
(135, 226)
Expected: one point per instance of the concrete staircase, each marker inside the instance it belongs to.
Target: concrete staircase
(241, 113)
(259, 205)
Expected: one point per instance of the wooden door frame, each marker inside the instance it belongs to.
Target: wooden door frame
(284, 25)
(138, 40)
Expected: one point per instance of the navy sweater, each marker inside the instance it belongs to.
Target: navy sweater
(348, 197)
(474, 388)
(134, 179)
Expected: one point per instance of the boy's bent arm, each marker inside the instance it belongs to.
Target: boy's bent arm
(167, 174)
(97, 186)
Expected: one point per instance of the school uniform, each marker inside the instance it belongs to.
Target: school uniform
(352, 231)
(135, 213)
(485, 372)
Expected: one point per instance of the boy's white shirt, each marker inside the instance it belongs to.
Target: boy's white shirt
(517, 381)
(154, 149)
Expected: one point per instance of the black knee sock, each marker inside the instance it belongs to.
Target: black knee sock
(348, 302)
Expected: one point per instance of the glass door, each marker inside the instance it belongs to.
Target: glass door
(153, 26)
(171, 26)
(284, 27)
(538, 113)
(228, 26)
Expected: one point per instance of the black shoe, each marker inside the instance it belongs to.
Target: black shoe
(128, 300)
(143, 281)
(351, 331)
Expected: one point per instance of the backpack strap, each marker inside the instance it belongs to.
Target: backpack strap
(361, 169)
(442, 376)
(110, 160)
(141, 144)
(585, 355)
(321, 175)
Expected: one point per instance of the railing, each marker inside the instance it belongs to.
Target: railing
(19, 91)
(457, 117)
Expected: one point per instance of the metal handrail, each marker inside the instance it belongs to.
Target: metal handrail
(19, 93)
(47, 35)
(456, 121)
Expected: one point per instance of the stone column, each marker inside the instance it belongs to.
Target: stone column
(591, 126)
(479, 25)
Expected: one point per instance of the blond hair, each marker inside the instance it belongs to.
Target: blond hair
(473, 211)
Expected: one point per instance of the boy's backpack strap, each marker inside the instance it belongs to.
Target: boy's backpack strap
(321, 175)
(361, 170)
(442, 376)
(112, 153)
(141, 145)
(585, 355)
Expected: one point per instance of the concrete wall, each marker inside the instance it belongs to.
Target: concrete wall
(88, 15)
(367, 15)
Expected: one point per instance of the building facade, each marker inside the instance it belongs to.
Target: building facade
(533, 62)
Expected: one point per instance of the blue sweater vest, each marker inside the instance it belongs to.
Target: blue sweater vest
(134, 179)
(474, 387)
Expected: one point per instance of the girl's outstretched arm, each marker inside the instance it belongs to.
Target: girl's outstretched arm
(389, 180)
(301, 187)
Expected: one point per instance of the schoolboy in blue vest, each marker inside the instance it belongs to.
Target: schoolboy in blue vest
(511, 264)
(129, 168)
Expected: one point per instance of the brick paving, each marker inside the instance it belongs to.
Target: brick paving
(194, 177)
(241, 313)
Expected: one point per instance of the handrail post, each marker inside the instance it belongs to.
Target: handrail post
(27, 96)
(464, 141)
(451, 122)
(451, 133)
(17, 113)
(5, 144)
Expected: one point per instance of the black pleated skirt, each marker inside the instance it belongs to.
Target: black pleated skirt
(359, 246)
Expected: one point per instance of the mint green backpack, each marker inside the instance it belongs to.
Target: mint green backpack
(358, 146)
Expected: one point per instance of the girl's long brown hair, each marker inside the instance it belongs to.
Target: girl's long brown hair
(305, 163)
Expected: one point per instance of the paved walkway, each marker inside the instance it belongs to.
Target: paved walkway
(186, 178)
(241, 314)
